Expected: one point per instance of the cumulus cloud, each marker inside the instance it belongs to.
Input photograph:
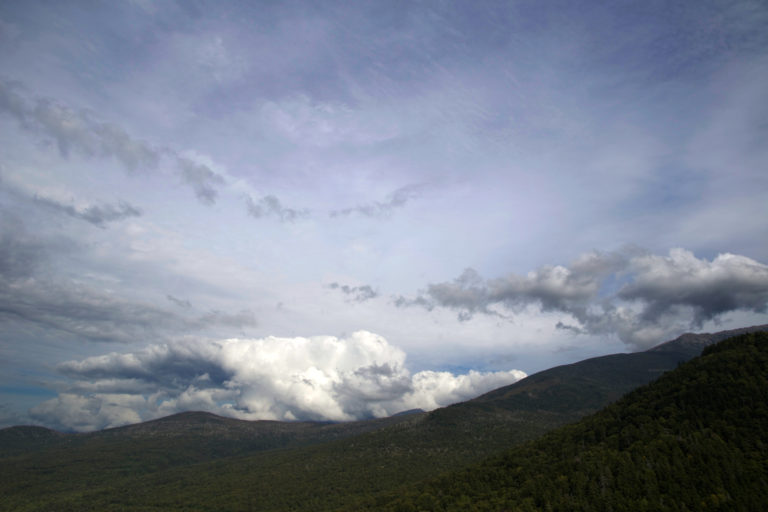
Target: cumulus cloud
(81, 132)
(317, 378)
(728, 282)
(85, 413)
(638, 296)
(378, 209)
(270, 206)
(355, 293)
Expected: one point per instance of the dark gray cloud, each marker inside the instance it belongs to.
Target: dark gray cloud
(201, 178)
(167, 367)
(84, 313)
(185, 304)
(355, 293)
(80, 131)
(20, 252)
(33, 292)
(270, 206)
(243, 318)
(98, 215)
(727, 283)
(87, 314)
(638, 296)
(401, 301)
(397, 199)
(29, 293)
(468, 293)
(76, 130)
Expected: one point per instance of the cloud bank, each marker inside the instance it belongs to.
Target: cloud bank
(640, 297)
(318, 378)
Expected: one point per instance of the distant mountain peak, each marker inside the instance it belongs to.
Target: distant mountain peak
(691, 344)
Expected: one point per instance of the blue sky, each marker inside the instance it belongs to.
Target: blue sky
(291, 210)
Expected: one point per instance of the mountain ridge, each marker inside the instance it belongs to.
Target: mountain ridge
(695, 439)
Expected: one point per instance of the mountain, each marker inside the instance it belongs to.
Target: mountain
(199, 460)
(692, 344)
(696, 439)
(588, 385)
(193, 436)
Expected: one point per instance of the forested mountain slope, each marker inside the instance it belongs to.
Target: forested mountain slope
(696, 439)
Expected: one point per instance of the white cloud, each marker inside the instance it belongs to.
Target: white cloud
(436, 389)
(85, 413)
(317, 378)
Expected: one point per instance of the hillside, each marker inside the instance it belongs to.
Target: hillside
(584, 387)
(695, 439)
(199, 461)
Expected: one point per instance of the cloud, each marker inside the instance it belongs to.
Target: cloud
(638, 296)
(305, 122)
(243, 318)
(355, 293)
(76, 130)
(79, 131)
(270, 206)
(29, 294)
(185, 304)
(20, 252)
(201, 178)
(80, 413)
(317, 378)
(710, 288)
(84, 313)
(90, 314)
(34, 292)
(98, 215)
(397, 199)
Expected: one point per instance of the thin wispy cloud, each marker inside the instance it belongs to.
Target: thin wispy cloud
(98, 215)
(80, 131)
(383, 209)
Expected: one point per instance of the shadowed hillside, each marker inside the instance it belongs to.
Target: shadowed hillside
(696, 439)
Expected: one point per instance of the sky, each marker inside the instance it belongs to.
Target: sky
(342, 210)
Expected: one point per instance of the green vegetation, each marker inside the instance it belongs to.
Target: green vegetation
(696, 439)
(691, 440)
